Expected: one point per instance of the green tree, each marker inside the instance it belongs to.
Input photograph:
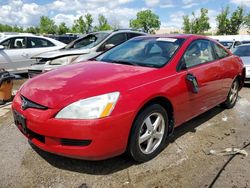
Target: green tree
(223, 21)
(62, 29)
(47, 25)
(102, 24)
(146, 20)
(247, 22)
(198, 24)
(17, 29)
(79, 25)
(186, 24)
(89, 22)
(6, 28)
(232, 25)
(33, 30)
(236, 21)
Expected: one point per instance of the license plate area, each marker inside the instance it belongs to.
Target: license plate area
(20, 122)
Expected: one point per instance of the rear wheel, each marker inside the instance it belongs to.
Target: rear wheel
(232, 95)
(148, 133)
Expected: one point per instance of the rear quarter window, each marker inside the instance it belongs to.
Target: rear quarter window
(39, 43)
(220, 52)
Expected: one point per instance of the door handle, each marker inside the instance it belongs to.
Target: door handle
(193, 81)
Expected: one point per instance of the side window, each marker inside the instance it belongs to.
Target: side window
(85, 41)
(6, 44)
(39, 43)
(15, 43)
(115, 40)
(237, 43)
(220, 52)
(199, 52)
(132, 35)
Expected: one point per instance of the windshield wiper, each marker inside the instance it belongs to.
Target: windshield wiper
(124, 62)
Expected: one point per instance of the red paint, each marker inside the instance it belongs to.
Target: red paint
(137, 85)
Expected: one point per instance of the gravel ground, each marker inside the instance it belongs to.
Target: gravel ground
(183, 163)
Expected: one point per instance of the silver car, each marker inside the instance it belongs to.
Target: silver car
(16, 51)
(81, 49)
(244, 52)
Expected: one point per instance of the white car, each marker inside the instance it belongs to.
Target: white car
(243, 51)
(16, 51)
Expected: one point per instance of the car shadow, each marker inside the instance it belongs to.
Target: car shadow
(121, 162)
(190, 126)
(102, 167)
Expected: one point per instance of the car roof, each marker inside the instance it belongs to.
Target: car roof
(109, 32)
(128, 31)
(181, 36)
(226, 41)
(118, 31)
(56, 42)
(248, 44)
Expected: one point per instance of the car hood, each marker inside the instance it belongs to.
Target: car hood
(61, 87)
(246, 60)
(61, 53)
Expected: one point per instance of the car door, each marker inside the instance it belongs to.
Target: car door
(226, 62)
(203, 76)
(14, 54)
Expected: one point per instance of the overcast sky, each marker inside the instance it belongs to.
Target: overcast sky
(27, 12)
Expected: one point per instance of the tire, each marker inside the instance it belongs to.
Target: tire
(232, 95)
(146, 139)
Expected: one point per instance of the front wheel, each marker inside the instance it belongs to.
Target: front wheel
(148, 133)
(232, 95)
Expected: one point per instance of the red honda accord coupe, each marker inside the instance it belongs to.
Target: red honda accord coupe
(129, 98)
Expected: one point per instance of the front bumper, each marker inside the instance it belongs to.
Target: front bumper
(85, 139)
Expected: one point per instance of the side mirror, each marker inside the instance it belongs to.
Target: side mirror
(1, 47)
(108, 46)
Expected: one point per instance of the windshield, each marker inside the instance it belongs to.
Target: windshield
(242, 51)
(88, 41)
(151, 52)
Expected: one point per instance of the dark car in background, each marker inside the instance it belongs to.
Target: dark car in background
(67, 38)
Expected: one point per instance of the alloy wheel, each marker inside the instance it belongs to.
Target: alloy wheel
(151, 133)
(234, 92)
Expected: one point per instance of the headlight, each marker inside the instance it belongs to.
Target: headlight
(63, 60)
(90, 108)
